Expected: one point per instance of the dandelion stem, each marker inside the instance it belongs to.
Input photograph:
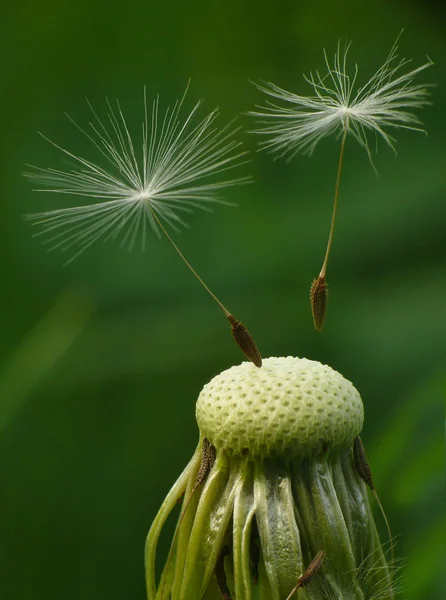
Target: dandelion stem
(335, 202)
(187, 263)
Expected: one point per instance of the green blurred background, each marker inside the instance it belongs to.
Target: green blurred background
(101, 361)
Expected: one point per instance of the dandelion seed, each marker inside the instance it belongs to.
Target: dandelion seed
(207, 462)
(338, 107)
(362, 465)
(245, 341)
(309, 573)
(318, 300)
(139, 188)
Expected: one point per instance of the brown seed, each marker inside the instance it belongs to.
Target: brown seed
(314, 566)
(361, 463)
(245, 341)
(318, 299)
(208, 455)
(309, 572)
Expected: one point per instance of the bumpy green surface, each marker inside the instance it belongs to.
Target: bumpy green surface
(290, 405)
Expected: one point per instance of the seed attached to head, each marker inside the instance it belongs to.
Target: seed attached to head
(314, 566)
(361, 463)
(309, 573)
(318, 299)
(245, 341)
(208, 456)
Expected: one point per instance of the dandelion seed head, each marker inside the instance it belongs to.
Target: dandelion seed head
(293, 124)
(177, 164)
(279, 486)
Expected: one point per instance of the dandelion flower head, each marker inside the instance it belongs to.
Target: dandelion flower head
(338, 106)
(179, 165)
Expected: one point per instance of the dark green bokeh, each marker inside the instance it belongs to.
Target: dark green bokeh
(101, 361)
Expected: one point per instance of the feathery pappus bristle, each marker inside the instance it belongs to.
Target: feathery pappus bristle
(177, 165)
(292, 123)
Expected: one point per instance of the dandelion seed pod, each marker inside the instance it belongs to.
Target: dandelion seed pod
(361, 463)
(310, 572)
(318, 300)
(245, 341)
(282, 495)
